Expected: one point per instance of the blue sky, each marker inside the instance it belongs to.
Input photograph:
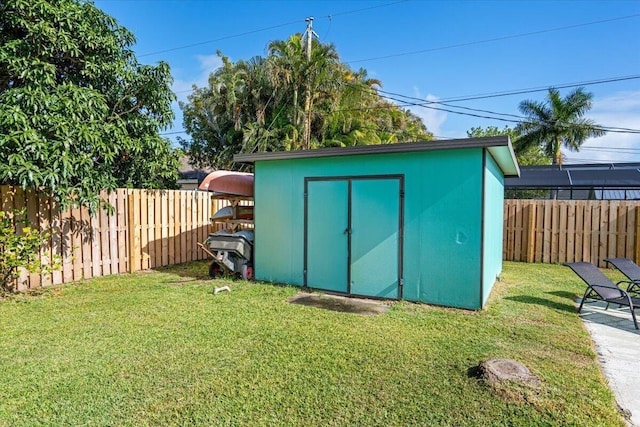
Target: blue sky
(431, 50)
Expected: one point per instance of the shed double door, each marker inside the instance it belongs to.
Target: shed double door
(353, 239)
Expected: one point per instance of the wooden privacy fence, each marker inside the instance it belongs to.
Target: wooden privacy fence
(154, 228)
(147, 229)
(557, 231)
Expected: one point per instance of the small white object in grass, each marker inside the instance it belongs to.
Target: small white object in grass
(223, 288)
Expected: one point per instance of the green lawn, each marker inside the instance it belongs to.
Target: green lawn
(158, 348)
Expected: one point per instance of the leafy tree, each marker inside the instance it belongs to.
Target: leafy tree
(78, 113)
(286, 102)
(532, 155)
(294, 72)
(236, 112)
(361, 116)
(556, 123)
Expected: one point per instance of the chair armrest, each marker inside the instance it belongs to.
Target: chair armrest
(630, 282)
(633, 286)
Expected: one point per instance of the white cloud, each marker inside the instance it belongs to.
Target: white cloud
(433, 119)
(621, 110)
(206, 65)
(183, 88)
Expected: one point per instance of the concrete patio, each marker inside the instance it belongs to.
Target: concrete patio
(617, 344)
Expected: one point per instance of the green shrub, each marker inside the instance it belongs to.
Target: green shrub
(20, 249)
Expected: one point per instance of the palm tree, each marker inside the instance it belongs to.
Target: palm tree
(287, 65)
(556, 123)
(291, 68)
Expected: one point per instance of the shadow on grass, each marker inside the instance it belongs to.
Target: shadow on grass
(564, 294)
(554, 305)
(189, 272)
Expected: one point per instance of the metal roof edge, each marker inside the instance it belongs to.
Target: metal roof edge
(507, 162)
(406, 147)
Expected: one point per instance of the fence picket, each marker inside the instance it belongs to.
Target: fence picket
(546, 236)
(578, 234)
(562, 231)
(588, 232)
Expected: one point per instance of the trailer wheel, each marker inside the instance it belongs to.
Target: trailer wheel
(247, 272)
(214, 270)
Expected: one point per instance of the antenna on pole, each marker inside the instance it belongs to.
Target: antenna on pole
(309, 33)
(306, 131)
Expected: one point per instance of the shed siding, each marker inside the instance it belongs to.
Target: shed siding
(492, 227)
(442, 219)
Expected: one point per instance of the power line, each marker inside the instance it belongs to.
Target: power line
(260, 30)
(575, 160)
(349, 12)
(429, 105)
(526, 90)
(601, 147)
(519, 119)
(492, 94)
(627, 150)
(220, 39)
(513, 36)
(516, 119)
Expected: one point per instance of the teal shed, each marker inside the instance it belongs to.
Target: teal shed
(415, 221)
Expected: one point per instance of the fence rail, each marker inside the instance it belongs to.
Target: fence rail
(147, 229)
(557, 231)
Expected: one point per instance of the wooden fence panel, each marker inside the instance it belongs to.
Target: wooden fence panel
(555, 231)
(146, 229)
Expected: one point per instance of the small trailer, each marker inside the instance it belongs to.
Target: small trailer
(232, 253)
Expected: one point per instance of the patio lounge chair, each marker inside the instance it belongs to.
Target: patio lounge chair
(601, 288)
(629, 269)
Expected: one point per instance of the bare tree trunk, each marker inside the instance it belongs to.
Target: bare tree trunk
(558, 158)
(295, 117)
(306, 132)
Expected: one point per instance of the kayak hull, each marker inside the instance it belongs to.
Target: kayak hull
(225, 182)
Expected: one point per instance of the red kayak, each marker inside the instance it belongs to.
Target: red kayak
(228, 182)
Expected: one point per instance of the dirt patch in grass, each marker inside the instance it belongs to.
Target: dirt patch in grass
(341, 304)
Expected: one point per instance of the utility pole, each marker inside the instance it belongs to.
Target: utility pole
(309, 34)
(306, 131)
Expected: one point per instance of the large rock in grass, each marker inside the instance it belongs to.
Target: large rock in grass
(501, 370)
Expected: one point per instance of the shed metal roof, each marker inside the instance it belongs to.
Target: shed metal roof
(499, 147)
